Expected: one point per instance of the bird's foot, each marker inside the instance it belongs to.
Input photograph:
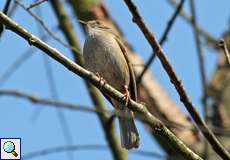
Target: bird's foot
(102, 81)
(126, 95)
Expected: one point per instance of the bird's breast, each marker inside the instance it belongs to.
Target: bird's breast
(103, 55)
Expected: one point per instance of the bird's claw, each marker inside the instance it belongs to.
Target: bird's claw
(102, 81)
(126, 95)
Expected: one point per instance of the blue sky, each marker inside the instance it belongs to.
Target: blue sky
(39, 126)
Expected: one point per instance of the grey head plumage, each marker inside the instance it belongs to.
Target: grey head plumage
(97, 25)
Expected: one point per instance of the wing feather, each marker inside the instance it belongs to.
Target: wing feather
(132, 85)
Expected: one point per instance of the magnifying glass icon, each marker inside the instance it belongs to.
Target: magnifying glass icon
(9, 147)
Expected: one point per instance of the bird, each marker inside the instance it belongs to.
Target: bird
(105, 55)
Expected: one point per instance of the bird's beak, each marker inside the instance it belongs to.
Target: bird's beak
(85, 25)
(82, 22)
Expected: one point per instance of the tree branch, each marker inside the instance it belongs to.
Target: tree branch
(202, 70)
(210, 40)
(59, 149)
(5, 11)
(51, 102)
(162, 39)
(56, 103)
(156, 125)
(35, 4)
(208, 134)
(45, 26)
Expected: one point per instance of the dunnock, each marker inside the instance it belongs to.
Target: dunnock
(105, 55)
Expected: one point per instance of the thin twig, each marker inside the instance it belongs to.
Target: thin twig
(87, 147)
(208, 134)
(21, 60)
(223, 46)
(46, 28)
(54, 94)
(202, 70)
(7, 6)
(199, 54)
(212, 41)
(156, 125)
(59, 149)
(65, 105)
(5, 11)
(35, 4)
(50, 102)
(4, 77)
(162, 39)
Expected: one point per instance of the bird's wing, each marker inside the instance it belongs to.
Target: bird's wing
(132, 85)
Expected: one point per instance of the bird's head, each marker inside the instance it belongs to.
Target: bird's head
(95, 24)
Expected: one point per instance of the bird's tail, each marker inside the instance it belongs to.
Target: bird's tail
(128, 130)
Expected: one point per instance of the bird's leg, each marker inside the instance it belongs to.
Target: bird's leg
(102, 81)
(126, 95)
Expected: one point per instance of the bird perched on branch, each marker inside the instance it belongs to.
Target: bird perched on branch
(106, 56)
